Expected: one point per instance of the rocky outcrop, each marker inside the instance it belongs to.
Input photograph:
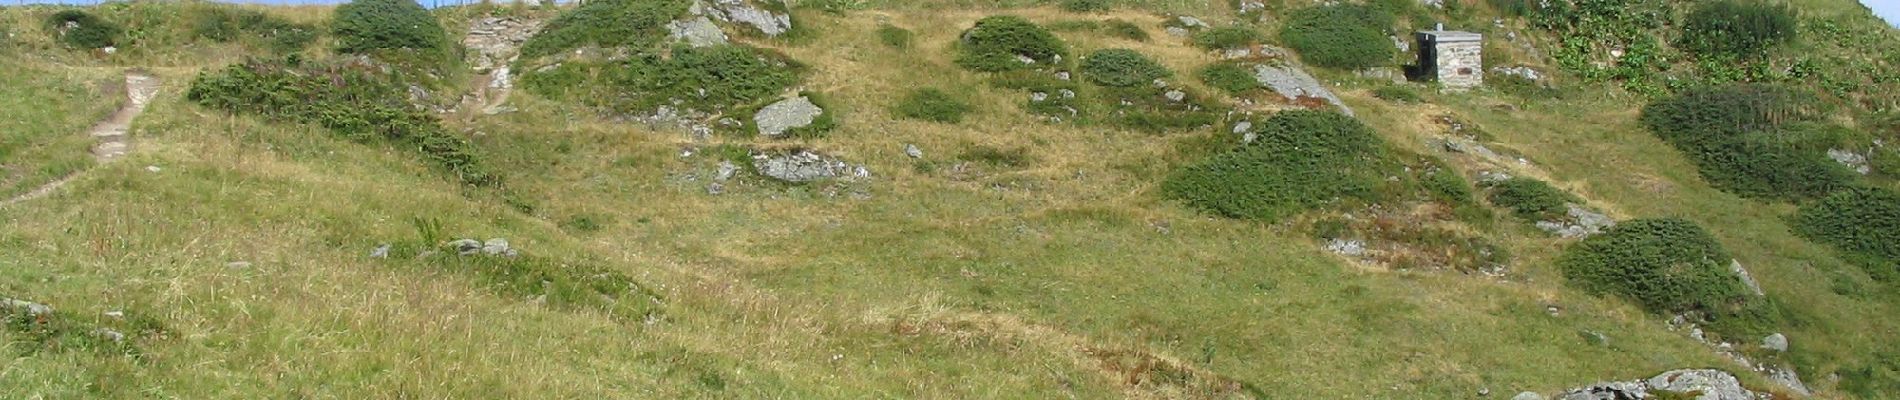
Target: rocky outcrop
(777, 119)
(1852, 160)
(696, 32)
(745, 12)
(1578, 222)
(1293, 83)
(806, 166)
(1703, 384)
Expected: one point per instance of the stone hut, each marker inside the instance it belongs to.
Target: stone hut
(1453, 58)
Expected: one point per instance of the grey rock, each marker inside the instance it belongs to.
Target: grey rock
(912, 151)
(1243, 126)
(466, 247)
(716, 188)
(1776, 342)
(744, 12)
(497, 247)
(726, 171)
(1249, 137)
(1520, 71)
(1251, 6)
(31, 308)
(1025, 59)
(1853, 160)
(1432, 3)
(1176, 31)
(1787, 378)
(1711, 384)
(1347, 247)
(697, 32)
(492, 42)
(1236, 53)
(1401, 44)
(1528, 396)
(1747, 280)
(110, 335)
(1393, 75)
(1191, 22)
(381, 251)
(1064, 75)
(1038, 97)
(1292, 83)
(1578, 222)
(238, 264)
(796, 112)
(1175, 95)
(1625, 390)
(1066, 93)
(805, 166)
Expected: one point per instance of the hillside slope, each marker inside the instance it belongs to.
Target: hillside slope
(241, 254)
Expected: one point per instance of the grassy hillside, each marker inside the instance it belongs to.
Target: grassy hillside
(1016, 258)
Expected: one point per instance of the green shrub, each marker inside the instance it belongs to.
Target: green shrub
(1737, 28)
(1448, 187)
(222, 24)
(932, 104)
(1227, 37)
(357, 103)
(895, 37)
(1302, 160)
(1122, 68)
(1861, 223)
(996, 42)
(1397, 94)
(637, 24)
(1667, 265)
(369, 25)
(710, 79)
(81, 30)
(1125, 30)
(1744, 140)
(1530, 199)
(1231, 77)
(1345, 36)
(1085, 5)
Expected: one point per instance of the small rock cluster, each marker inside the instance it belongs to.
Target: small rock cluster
(1527, 73)
(1705, 384)
(492, 247)
(1578, 222)
(805, 166)
(1855, 161)
(1782, 375)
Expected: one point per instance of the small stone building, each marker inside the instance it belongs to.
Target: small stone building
(1453, 58)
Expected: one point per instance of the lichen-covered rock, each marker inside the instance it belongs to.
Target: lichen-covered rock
(1776, 342)
(745, 12)
(1578, 222)
(493, 41)
(1625, 390)
(797, 112)
(1747, 280)
(1294, 83)
(1852, 160)
(697, 32)
(805, 166)
(1709, 384)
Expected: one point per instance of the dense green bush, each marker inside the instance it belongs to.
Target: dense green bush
(895, 37)
(1234, 78)
(1747, 140)
(1125, 30)
(704, 78)
(358, 103)
(1862, 223)
(81, 30)
(1227, 37)
(222, 24)
(1085, 5)
(1346, 36)
(1530, 199)
(1122, 68)
(638, 24)
(1737, 28)
(996, 42)
(1394, 93)
(1667, 265)
(1301, 160)
(369, 25)
(932, 104)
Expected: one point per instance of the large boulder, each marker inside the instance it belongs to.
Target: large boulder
(776, 119)
(1293, 83)
(697, 32)
(745, 12)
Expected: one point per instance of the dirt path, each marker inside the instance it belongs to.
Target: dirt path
(113, 140)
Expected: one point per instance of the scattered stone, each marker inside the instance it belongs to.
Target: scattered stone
(497, 247)
(1401, 44)
(1294, 83)
(1747, 280)
(466, 247)
(912, 151)
(796, 112)
(381, 251)
(1064, 75)
(696, 32)
(1175, 95)
(1432, 3)
(153, 168)
(1708, 383)
(116, 314)
(1067, 94)
(31, 308)
(1787, 378)
(1191, 22)
(1177, 31)
(1251, 6)
(238, 264)
(1243, 126)
(1851, 159)
(1038, 97)
(716, 188)
(1527, 73)
(109, 49)
(1628, 390)
(726, 171)
(1528, 396)
(1025, 59)
(110, 335)
(805, 166)
(1346, 247)
(1777, 342)
(744, 12)
(1579, 222)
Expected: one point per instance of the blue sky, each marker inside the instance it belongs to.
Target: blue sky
(1886, 9)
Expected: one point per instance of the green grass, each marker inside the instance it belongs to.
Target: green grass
(1033, 260)
(44, 136)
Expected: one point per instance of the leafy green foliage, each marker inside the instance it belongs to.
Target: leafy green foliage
(932, 104)
(1397, 94)
(1125, 30)
(895, 37)
(1227, 37)
(996, 42)
(1667, 265)
(1302, 159)
(1745, 139)
(255, 28)
(1530, 199)
(357, 103)
(1085, 5)
(1862, 223)
(1347, 36)
(81, 30)
(1737, 28)
(1122, 68)
(638, 24)
(369, 25)
(1231, 77)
